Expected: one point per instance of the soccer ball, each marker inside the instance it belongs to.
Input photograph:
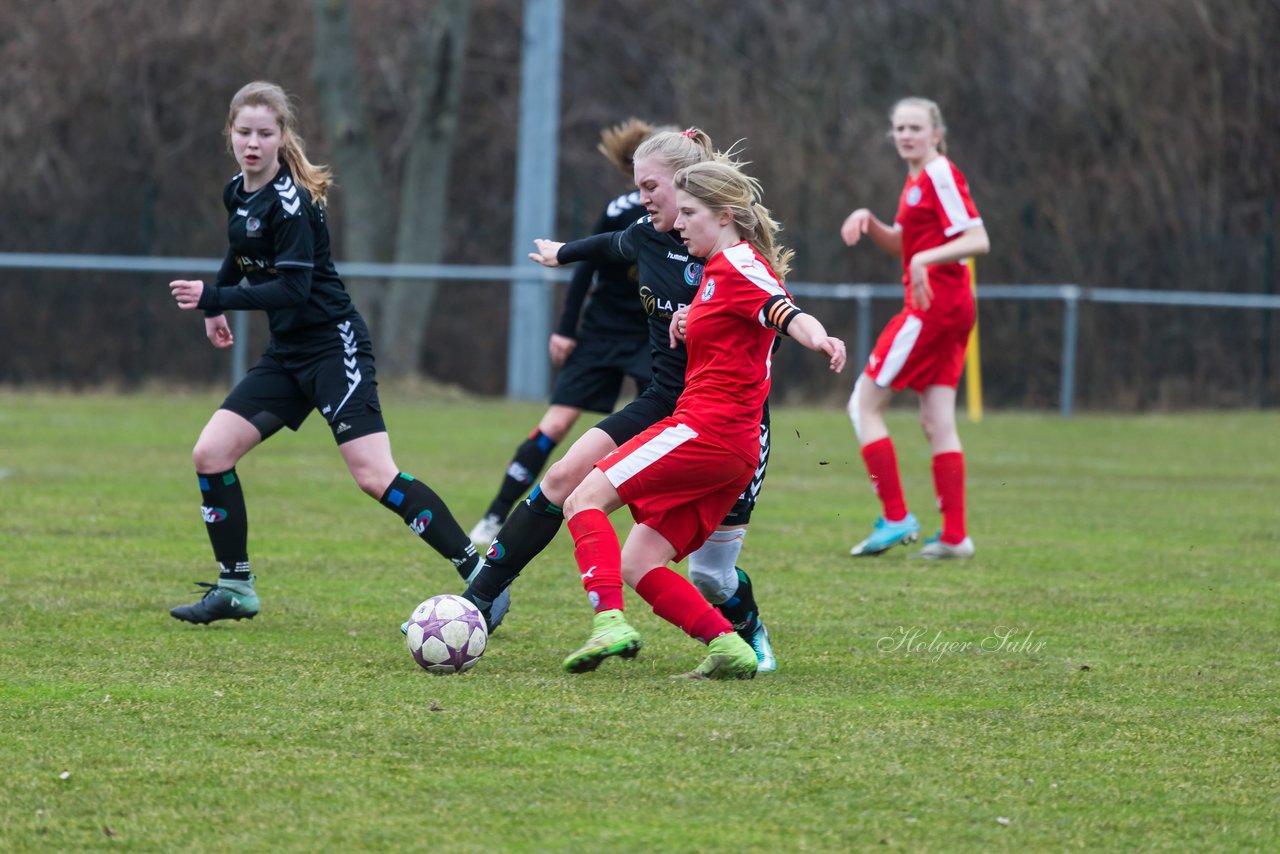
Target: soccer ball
(446, 634)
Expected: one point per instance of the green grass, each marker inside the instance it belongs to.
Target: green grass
(1133, 562)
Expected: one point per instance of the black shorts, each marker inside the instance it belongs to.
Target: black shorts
(333, 374)
(650, 406)
(741, 512)
(592, 377)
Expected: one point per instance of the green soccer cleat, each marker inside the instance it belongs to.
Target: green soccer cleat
(225, 600)
(729, 657)
(610, 635)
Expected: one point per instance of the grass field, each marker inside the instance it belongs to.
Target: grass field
(1103, 676)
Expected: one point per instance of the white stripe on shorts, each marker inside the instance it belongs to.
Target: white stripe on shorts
(901, 347)
(649, 453)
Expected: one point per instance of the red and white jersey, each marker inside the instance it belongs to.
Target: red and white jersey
(934, 207)
(729, 343)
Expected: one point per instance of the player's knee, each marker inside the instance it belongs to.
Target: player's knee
(561, 479)
(373, 479)
(556, 425)
(578, 501)
(936, 428)
(211, 457)
(370, 485)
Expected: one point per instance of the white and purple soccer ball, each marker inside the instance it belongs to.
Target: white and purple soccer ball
(446, 634)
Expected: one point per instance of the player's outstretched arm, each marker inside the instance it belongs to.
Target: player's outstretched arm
(809, 332)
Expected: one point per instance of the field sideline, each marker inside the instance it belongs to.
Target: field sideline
(1103, 676)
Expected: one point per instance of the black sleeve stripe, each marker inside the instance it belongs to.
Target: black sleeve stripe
(779, 311)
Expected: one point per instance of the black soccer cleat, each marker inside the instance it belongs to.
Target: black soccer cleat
(225, 600)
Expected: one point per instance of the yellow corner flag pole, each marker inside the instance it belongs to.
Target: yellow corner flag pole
(973, 364)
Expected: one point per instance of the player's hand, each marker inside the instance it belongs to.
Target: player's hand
(855, 225)
(679, 326)
(560, 346)
(186, 293)
(834, 348)
(219, 332)
(546, 254)
(921, 290)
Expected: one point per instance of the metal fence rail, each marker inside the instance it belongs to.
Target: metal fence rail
(1069, 295)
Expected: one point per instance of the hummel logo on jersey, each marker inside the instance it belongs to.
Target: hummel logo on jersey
(242, 211)
(327, 409)
(341, 428)
(623, 203)
(674, 257)
(288, 195)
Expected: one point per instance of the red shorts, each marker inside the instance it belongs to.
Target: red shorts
(914, 354)
(677, 482)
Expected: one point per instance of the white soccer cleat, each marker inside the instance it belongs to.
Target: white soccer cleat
(936, 549)
(484, 531)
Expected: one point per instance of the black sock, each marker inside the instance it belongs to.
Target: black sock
(529, 529)
(428, 516)
(740, 608)
(222, 505)
(526, 465)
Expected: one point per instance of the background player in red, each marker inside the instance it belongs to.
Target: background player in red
(319, 357)
(936, 229)
(683, 474)
(596, 349)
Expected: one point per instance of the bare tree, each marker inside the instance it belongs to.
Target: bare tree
(399, 311)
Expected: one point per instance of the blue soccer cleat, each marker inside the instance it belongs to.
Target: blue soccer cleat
(887, 535)
(765, 659)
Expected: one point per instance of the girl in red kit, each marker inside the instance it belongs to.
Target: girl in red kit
(682, 475)
(937, 228)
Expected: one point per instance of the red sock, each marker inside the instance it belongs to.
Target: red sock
(882, 465)
(599, 557)
(948, 482)
(677, 601)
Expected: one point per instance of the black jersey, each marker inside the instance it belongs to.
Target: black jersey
(668, 278)
(279, 241)
(613, 308)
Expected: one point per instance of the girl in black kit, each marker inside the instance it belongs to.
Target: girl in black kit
(669, 277)
(319, 357)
